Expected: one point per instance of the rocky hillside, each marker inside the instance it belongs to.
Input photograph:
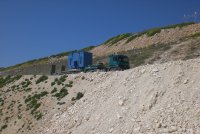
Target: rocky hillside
(157, 45)
(158, 98)
(163, 35)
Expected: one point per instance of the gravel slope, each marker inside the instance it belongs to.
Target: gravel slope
(151, 99)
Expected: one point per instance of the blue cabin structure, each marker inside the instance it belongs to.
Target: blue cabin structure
(79, 60)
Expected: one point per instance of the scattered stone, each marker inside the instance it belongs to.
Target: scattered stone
(137, 129)
(111, 130)
(121, 102)
(190, 131)
(119, 116)
(143, 71)
(172, 129)
(145, 106)
(186, 81)
(158, 125)
(155, 70)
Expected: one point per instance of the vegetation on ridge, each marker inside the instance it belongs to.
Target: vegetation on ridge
(154, 31)
(150, 32)
(117, 38)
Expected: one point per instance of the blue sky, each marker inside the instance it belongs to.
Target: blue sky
(32, 29)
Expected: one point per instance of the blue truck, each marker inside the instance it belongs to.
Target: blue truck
(82, 61)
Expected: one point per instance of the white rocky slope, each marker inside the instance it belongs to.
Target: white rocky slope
(151, 99)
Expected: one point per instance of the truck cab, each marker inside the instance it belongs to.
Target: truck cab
(118, 62)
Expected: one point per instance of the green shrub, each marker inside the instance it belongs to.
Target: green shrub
(53, 83)
(4, 127)
(63, 92)
(78, 96)
(41, 79)
(42, 94)
(13, 87)
(86, 49)
(117, 38)
(195, 35)
(27, 89)
(20, 105)
(33, 104)
(63, 78)
(26, 83)
(134, 36)
(1, 102)
(56, 79)
(60, 103)
(68, 85)
(38, 115)
(19, 116)
(60, 80)
(70, 82)
(8, 79)
(23, 83)
(152, 32)
(54, 90)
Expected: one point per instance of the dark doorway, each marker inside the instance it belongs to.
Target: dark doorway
(53, 69)
(62, 68)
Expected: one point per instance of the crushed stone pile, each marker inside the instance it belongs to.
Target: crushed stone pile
(151, 99)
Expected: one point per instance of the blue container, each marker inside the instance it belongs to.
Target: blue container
(79, 60)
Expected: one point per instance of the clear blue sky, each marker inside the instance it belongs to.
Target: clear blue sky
(32, 29)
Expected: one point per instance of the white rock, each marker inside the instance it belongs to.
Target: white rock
(121, 102)
(158, 125)
(155, 70)
(185, 81)
(143, 71)
(119, 116)
(111, 130)
(190, 131)
(172, 129)
(137, 129)
(131, 91)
